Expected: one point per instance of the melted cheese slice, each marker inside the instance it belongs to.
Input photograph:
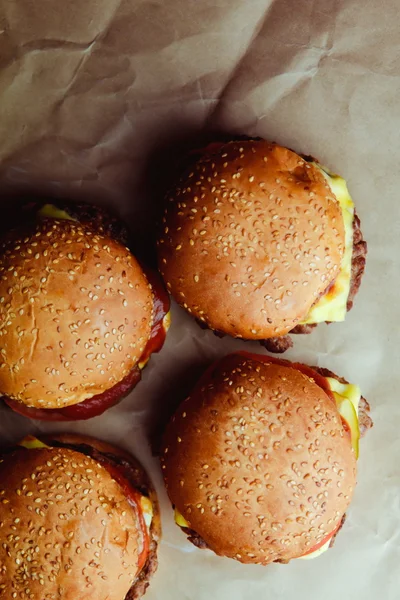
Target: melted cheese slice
(147, 509)
(143, 363)
(167, 321)
(51, 211)
(180, 519)
(31, 443)
(345, 390)
(347, 398)
(333, 305)
(343, 393)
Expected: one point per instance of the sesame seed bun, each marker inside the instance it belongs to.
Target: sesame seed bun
(252, 236)
(75, 313)
(69, 530)
(258, 462)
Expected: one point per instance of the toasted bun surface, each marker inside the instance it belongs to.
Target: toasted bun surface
(67, 528)
(252, 236)
(257, 461)
(75, 313)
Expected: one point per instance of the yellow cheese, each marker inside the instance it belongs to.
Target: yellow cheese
(147, 508)
(143, 363)
(52, 212)
(347, 398)
(32, 443)
(167, 321)
(333, 305)
(346, 390)
(180, 519)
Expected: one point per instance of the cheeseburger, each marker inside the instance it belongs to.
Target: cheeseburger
(79, 315)
(260, 460)
(79, 519)
(257, 242)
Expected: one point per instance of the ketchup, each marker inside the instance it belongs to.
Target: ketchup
(92, 407)
(161, 306)
(322, 542)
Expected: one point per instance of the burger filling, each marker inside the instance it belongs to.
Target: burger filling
(332, 306)
(323, 545)
(347, 398)
(121, 472)
(50, 211)
(30, 442)
(95, 406)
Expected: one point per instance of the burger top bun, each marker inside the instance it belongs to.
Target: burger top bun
(75, 313)
(258, 462)
(252, 236)
(67, 529)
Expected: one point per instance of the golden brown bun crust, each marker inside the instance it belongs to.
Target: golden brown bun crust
(75, 313)
(142, 479)
(257, 461)
(141, 482)
(251, 237)
(104, 447)
(68, 529)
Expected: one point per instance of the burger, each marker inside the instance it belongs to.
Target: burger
(258, 242)
(260, 460)
(79, 519)
(79, 314)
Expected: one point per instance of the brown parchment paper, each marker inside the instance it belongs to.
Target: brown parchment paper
(95, 97)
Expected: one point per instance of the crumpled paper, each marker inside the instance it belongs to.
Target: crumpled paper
(95, 96)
